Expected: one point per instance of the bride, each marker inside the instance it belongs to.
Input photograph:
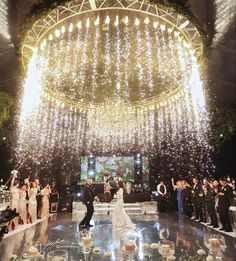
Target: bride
(120, 218)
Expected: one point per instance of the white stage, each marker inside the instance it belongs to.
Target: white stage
(148, 207)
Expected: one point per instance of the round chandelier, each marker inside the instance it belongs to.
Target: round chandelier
(111, 74)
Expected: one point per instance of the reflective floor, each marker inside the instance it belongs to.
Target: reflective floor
(61, 232)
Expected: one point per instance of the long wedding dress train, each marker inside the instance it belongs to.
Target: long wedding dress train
(120, 219)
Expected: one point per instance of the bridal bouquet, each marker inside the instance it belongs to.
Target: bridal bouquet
(14, 173)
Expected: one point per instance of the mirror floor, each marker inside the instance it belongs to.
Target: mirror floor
(59, 235)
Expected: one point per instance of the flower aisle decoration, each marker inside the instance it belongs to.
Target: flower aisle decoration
(12, 257)
(145, 246)
(200, 256)
(4, 194)
(107, 254)
(154, 246)
(96, 250)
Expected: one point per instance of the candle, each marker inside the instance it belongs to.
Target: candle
(165, 250)
(86, 241)
(214, 242)
(129, 246)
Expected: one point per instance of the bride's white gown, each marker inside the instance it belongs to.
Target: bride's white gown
(120, 218)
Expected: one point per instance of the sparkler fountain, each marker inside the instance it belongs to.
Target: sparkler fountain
(113, 78)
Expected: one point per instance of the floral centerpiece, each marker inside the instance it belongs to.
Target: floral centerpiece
(4, 194)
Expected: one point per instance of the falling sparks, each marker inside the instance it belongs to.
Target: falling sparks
(119, 82)
(225, 15)
(3, 19)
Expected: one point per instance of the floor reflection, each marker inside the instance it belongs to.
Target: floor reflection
(62, 232)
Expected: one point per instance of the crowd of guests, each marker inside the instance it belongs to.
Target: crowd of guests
(201, 200)
(31, 200)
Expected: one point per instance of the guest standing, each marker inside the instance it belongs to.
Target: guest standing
(33, 202)
(38, 197)
(14, 200)
(179, 189)
(186, 198)
(161, 190)
(210, 195)
(22, 204)
(54, 198)
(87, 200)
(45, 192)
(197, 200)
(225, 196)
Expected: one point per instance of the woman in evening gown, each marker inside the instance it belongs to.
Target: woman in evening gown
(120, 218)
(22, 204)
(45, 201)
(179, 188)
(33, 202)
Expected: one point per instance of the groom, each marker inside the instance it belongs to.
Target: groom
(87, 200)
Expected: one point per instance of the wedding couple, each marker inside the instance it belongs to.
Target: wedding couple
(120, 218)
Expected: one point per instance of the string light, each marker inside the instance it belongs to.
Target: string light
(146, 20)
(107, 21)
(70, 29)
(57, 33)
(63, 29)
(137, 22)
(97, 21)
(155, 25)
(116, 21)
(88, 23)
(79, 25)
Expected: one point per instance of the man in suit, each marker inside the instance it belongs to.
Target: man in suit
(38, 197)
(225, 196)
(210, 194)
(161, 189)
(197, 200)
(87, 200)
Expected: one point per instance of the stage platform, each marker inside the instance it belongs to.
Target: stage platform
(138, 208)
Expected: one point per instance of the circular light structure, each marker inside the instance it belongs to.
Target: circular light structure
(111, 75)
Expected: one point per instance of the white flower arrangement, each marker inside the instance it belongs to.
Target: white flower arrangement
(147, 255)
(107, 254)
(201, 252)
(4, 194)
(154, 246)
(12, 257)
(96, 250)
(210, 258)
(145, 245)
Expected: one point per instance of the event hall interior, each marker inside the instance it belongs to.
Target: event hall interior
(117, 130)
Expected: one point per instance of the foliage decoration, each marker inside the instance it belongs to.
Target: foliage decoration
(6, 103)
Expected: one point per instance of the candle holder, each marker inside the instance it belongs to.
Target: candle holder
(129, 247)
(86, 242)
(215, 244)
(166, 248)
(57, 255)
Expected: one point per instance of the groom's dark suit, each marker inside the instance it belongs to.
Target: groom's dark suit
(87, 200)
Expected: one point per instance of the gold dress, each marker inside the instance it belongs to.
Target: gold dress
(45, 203)
(14, 203)
(33, 204)
(22, 206)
